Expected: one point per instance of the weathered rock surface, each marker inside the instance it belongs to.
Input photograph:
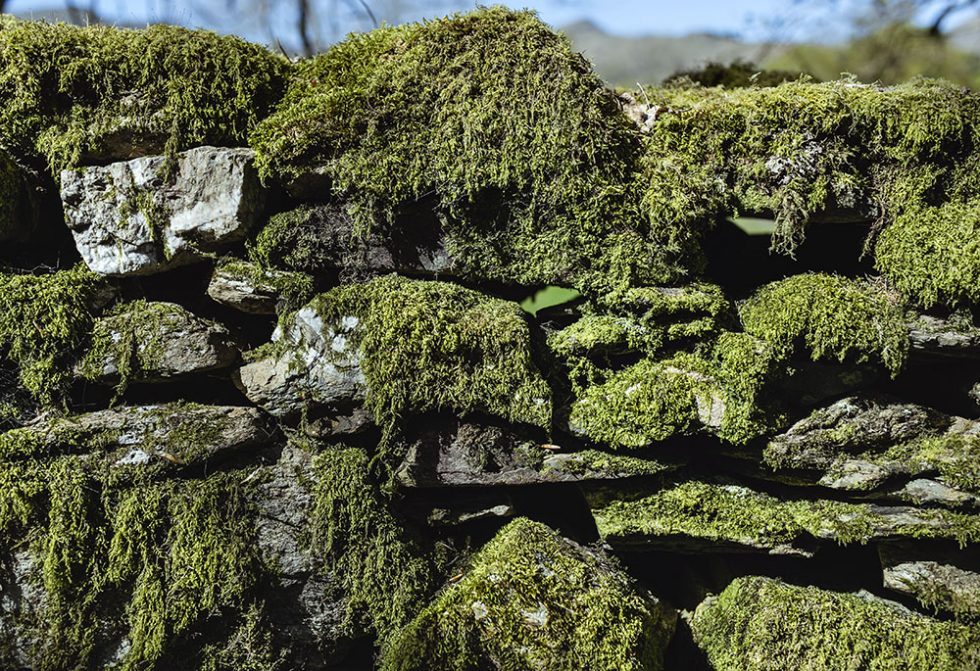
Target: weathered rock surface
(312, 364)
(761, 623)
(154, 342)
(250, 288)
(130, 218)
(863, 443)
(954, 336)
(474, 455)
(941, 580)
(174, 434)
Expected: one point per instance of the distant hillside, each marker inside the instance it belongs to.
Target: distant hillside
(966, 36)
(624, 61)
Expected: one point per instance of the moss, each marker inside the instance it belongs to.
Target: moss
(593, 463)
(44, 319)
(955, 457)
(68, 92)
(737, 74)
(833, 317)
(152, 562)
(720, 513)
(932, 254)
(433, 345)
(292, 289)
(801, 148)
(496, 122)
(531, 600)
(382, 571)
(761, 624)
(654, 400)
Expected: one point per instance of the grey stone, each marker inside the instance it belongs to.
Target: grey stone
(466, 454)
(159, 341)
(954, 336)
(169, 436)
(941, 580)
(250, 288)
(313, 364)
(129, 218)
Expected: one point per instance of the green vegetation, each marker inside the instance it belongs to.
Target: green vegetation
(734, 75)
(44, 319)
(493, 119)
(720, 513)
(802, 148)
(833, 317)
(532, 600)
(761, 624)
(433, 345)
(932, 254)
(657, 399)
(68, 92)
(382, 571)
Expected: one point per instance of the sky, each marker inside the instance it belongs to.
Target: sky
(624, 17)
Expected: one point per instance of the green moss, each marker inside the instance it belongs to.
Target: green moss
(761, 624)
(496, 122)
(737, 74)
(381, 570)
(801, 148)
(153, 562)
(44, 319)
(433, 345)
(292, 289)
(833, 317)
(654, 400)
(68, 91)
(955, 457)
(932, 254)
(531, 600)
(595, 464)
(720, 513)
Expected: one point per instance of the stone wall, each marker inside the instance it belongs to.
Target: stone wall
(270, 399)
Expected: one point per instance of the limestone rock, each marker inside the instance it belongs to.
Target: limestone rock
(312, 363)
(153, 342)
(248, 287)
(129, 218)
(467, 454)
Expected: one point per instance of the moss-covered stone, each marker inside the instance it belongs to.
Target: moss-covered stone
(71, 92)
(932, 254)
(44, 320)
(383, 571)
(656, 399)
(532, 600)
(737, 74)
(800, 149)
(250, 287)
(761, 624)
(699, 513)
(832, 317)
(493, 120)
(432, 345)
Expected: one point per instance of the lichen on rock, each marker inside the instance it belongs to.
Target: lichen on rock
(533, 600)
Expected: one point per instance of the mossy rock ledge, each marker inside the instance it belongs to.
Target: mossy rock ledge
(433, 352)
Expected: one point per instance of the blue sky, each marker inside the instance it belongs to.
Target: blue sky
(626, 17)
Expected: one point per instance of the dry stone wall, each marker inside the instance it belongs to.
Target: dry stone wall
(270, 399)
